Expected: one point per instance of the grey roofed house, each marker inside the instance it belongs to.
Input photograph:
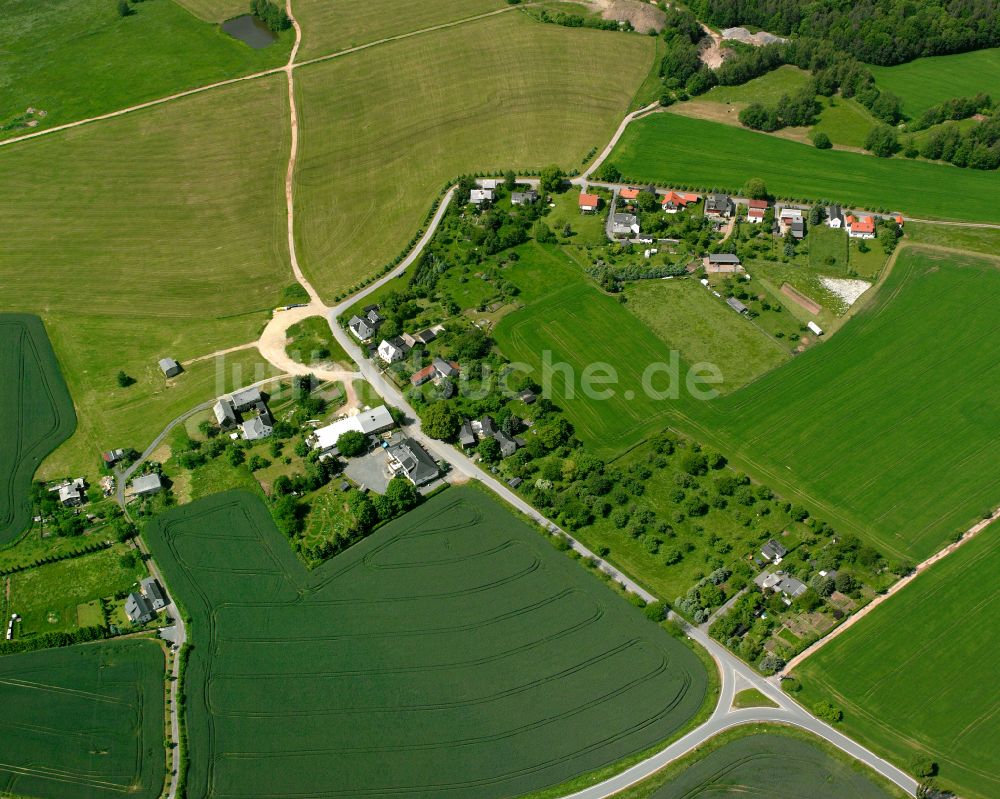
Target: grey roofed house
(73, 493)
(835, 212)
(527, 397)
(138, 609)
(375, 420)
(523, 197)
(224, 412)
(445, 368)
(624, 224)
(477, 196)
(146, 485)
(361, 328)
(718, 205)
(736, 305)
(153, 592)
(465, 436)
(170, 367)
(246, 398)
(723, 258)
(507, 445)
(257, 428)
(773, 551)
(781, 583)
(374, 317)
(514, 482)
(486, 427)
(408, 458)
(798, 228)
(425, 336)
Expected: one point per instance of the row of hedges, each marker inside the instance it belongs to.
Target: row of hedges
(97, 546)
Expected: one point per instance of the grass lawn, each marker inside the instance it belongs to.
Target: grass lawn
(765, 760)
(828, 250)
(570, 324)
(888, 428)
(378, 143)
(670, 149)
(313, 343)
(330, 27)
(886, 672)
(46, 597)
(83, 722)
(845, 121)
(425, 658)
(176, 246)
(77, 58)
(766, 89)
(217, 10)
(929, 81)
(688, 318)
(751, 697)
(34, 399)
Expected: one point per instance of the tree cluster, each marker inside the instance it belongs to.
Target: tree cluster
(270, 14)
(976, 148)
(954, 109)
(799, 109)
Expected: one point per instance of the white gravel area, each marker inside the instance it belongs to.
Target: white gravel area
(848, 290)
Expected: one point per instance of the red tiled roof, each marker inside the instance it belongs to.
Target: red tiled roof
(423, 375)
(899, 219)
(758, 204)
(849, 220)
(628, 194)
(679, 199)
(756, 212)
(589, 200)
(864, 225)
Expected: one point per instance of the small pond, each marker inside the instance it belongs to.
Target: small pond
(250, 30)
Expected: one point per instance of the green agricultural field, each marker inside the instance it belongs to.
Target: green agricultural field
(973, 239)
(887, 430)
(929, 81)
(845, 121)
(311, 341)
(570, 324)
(703, 328)
(765, 761)
(378, 143)
(215, 10)
(74, 59)
(159, 233)
(46, 597)
(886, 672)
(671, 149)
(455, 650)
(35, 401)
(330, 27)
(83, 722)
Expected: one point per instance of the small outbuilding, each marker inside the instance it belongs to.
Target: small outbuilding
(170, 367)
(147, 485)
(736, 305)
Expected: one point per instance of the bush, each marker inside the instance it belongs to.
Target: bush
(656, 611)
(828, 712)
(352, 443)
(822, 141)
(924, 767)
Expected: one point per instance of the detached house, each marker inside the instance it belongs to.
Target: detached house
(524, 197)
(834, 217)
(480, 196)
(673, 202)
(392, 350)
(410, 460)
(756, 210)
(624, 225)
(718, 206)
(629, 195)
(361, 329)
(860, 228)
(589, 203)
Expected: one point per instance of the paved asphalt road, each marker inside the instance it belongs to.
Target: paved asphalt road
(735, 675)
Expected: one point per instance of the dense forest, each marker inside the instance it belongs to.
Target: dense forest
(875, 31)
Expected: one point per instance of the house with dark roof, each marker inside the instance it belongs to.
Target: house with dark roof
(154, 593)
(360, 328)
(410, 460)
(465, 436)
(722, 263)
(138, 609)
(225, 413)
(524, 197)
(773, 551)
(246, 398)
(786, 585)
(834, 217)
(719, 206)
(624, 225)
(425, 336)
(507, 445)
(170, 367)
(392, 350)
(736, 305)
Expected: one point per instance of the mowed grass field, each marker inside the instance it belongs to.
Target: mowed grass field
(38, 411)
(761, 761)
(455, 651)
(216, 10)
(888, 429)
(688, 318)
(157, 234)
(75, 59)
(328, 27)
(83, 722)
(570, 324)
(379, 142)
(929, 81)
(670, 149)
(917, 678)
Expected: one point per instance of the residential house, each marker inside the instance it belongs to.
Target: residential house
(147, 485)
(370, 422)
(629, 194)
(421, 376)
(736, 305)
(170, 367)
(258, 427)
(624, 225)
(466, 437)
(409, 459)
(507, 445)
(246, 398)
(722, 263)
(589, 203)
(409, 340)
(719, 206)
(860, 227)
(524, 197)
(773, 551)
(789, 587)
(489, 183)
(798, 228)
(484, 428)
(673, 201)
(112, 456)
(834, 217)
(392, 350)
(225, 413)
(898, 219)
(437, 370)
(138, 609)
(480, 196)
(72, 493)
(375, 319)
(362, 329)
(756, 210)
(791, 219)
(153, 592)
(527, 397)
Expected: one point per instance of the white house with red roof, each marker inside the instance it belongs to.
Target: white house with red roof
(589, 203)
(862, 227)
(673, 202)
(756, 210)
(629, 194)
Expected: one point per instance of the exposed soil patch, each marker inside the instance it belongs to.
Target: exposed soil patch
(644, 17)
(797, 296)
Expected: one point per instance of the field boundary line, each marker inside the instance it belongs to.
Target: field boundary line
(895, 588)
